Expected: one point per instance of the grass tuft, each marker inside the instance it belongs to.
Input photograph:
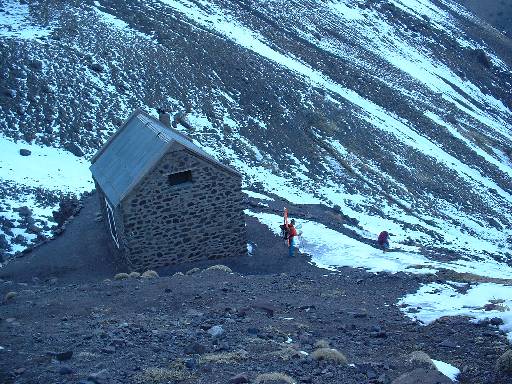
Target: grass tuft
(177, 371)
(224, 358)
(121, 276)
(162, 375)
(286, 353)
(149, 274)
(219, 267)
(420, 357)
(274, 377)
(329, 354)
(134, 275)
(192, 271)
(322, 344)
(9, 296)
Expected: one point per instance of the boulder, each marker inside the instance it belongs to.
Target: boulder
(239, 379)
(74, 149)
(63, 356)
(195, 349)
(36, 64)
(483, 58)
(97, 67)
(496, 321)
(25, 152)
(216, 330)
(9, 93)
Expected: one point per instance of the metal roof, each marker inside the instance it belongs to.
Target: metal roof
(133, 150)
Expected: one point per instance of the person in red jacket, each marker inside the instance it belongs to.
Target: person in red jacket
(383, 241)
(292, 233)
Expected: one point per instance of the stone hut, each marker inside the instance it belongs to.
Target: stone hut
(165, 201)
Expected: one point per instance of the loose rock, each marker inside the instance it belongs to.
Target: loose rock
(216, 331)
(239, 379)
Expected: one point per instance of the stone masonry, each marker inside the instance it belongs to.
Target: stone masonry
(160, 224)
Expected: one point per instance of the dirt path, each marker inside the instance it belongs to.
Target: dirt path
(80, 253)
(83, 253)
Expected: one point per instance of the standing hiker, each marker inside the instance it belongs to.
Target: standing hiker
(289, 233)
(383, 241)
(292, 241)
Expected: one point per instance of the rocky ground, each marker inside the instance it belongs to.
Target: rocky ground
(497, 13)
(268, 316)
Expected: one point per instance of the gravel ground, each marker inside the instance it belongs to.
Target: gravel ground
(72, 322)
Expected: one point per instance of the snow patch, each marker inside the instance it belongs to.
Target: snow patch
(480, 302)
(446, 369)
(330, 249)
(257, 195)
(46, 167)
(16, 22)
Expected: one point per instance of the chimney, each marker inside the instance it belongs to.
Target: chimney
(164, 117)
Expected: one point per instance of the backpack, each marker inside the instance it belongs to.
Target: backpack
(285, 233)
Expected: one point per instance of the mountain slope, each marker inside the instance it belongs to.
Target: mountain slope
(398, 112)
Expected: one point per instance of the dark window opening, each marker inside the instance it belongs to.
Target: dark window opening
(180, 178)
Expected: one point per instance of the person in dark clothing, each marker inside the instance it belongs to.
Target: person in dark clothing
(383, 241)
(292, 233)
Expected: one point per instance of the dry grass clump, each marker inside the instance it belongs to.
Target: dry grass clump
(273, 378)
(219, 267)
(504, 363)
(420, 357)
(329, 354)
(9, 296)
(177, 371)
(121, 276)
(285, 354)
(149, 274)
(162, 375)
(192, 271)
(133, 275)
(224, 358)
(322, 344)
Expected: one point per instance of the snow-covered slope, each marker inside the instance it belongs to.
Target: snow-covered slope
(399, 112)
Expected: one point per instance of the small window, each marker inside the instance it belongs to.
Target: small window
(180, 178)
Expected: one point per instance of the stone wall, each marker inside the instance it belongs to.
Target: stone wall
(201, 219)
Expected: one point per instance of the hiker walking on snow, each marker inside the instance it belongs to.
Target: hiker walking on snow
(292, 241)
(383, 241)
